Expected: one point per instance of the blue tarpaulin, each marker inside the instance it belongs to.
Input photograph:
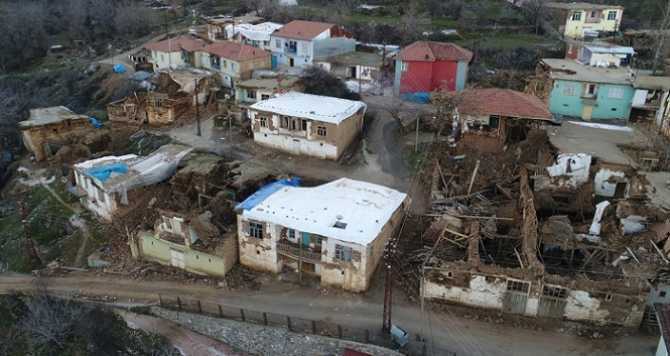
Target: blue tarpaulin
(95, 122)
(119, 68)
(418, 97)
(265, 191)
(103, 173)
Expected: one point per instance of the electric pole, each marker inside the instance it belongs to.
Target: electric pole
(197, 110)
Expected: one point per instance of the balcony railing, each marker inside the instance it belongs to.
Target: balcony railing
(294, 251)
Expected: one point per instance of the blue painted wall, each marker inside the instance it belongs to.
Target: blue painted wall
(461, 76)
(396, 79)
(569, 102)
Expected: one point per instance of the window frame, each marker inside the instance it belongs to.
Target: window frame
(256, 230)
(611, 15)
(322, 131)
(343, 253)
(576, 16)
(619, 93)
(263, 121)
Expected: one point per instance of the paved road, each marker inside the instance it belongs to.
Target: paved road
(464, 336)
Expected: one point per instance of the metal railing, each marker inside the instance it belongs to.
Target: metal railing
(293, 251)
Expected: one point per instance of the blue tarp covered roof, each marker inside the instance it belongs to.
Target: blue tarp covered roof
(266, 191)
(103, 173)
(119, 68)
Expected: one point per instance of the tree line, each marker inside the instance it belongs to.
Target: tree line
(29, 27)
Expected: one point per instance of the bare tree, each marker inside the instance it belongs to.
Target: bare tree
(535, 12)
(660, 38)
(412, 21)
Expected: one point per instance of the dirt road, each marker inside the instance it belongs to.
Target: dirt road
(447, 331)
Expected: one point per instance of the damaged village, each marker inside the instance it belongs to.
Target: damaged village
(487, 177)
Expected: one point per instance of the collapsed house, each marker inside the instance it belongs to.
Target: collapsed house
(519, 231)
(111, 186)
(48, 129)
(337, 231)
(492, 118)
(176, 94)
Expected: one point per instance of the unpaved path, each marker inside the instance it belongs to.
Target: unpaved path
(188, 342)
(447, 331)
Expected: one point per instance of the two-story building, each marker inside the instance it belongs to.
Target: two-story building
(586, 92)
(233, 61)
(254, 90)
(426, 66)
(336, 231)
(606, 55)
(578, 20)
(305, 124)
(298, 43)
(175, 52)
(256, 35)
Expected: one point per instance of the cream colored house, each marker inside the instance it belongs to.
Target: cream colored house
(336, 231)
(190, 242)
(305, 124)
(233, 61)
(580, 19)
(175, 52)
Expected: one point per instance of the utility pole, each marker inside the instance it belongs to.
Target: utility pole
(388, 290)
(416, 142)
(383, 69)
(197, 109)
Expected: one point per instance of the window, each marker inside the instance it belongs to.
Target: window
(340, 225)
(215, 62)
(293, 125)
(594, 14)
(264, 121)
(256, 230)
(278, 43)
(577, 16)
(615, 93)
(661, 294)
(569, 89)
(266, 43)
(403, 66)
(251, 94)
(321, 131)
(265, 97)
(611, 15)
(590, 90)
(167, 222)
(518, 286)
(225, 64)
(101, 195)
(291, 234)
(343, 253)
(284, 122)
(303, 125)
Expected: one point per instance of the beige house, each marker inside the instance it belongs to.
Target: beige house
(305, 124)
(578, 20)
(233, 61)
(336, 231)
(175, 52)
(189, 242)
(49, 127)
(254, 90)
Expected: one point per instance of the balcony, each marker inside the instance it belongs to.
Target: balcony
(293, 250)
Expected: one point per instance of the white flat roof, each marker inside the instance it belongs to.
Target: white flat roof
(364, 207)
(308, 106)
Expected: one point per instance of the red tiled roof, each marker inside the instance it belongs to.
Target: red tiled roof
(303, 30)
(235, 51)
(502, 102)
(429, 51)
(177, 44)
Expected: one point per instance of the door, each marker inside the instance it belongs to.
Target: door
(516, 296)
(291, 62)
(352, 72)
(305, 239)
(274, 61)
(552, 302)
(587, 112)
(177, 259)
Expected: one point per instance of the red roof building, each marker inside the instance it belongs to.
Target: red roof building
(177, 44)
(236, 51)
(304, 30)
(426, 66)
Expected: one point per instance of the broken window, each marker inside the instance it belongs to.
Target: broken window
(256, 230)
(554, 292)
(518, 286)
(263, 121)
(343, 253)
(321, 131)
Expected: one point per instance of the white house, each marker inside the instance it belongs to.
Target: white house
(175, 52)
(305, 124)
(606, 55)
(337, 231)
(253, 35)
(298, 43)
(109, 185)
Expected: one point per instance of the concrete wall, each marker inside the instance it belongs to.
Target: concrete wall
(95, 199)
(488, 291)
(562, 102)
(35, 138)
(575, 29)
(163, 60)
(304, 55)
(214, 264)
(258, 254)
(601, 184)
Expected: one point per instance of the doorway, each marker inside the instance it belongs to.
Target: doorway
(291, 62)
(352, 72)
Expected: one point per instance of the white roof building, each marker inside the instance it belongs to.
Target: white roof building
(345, 209)
(315, 107)
(259, 32)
